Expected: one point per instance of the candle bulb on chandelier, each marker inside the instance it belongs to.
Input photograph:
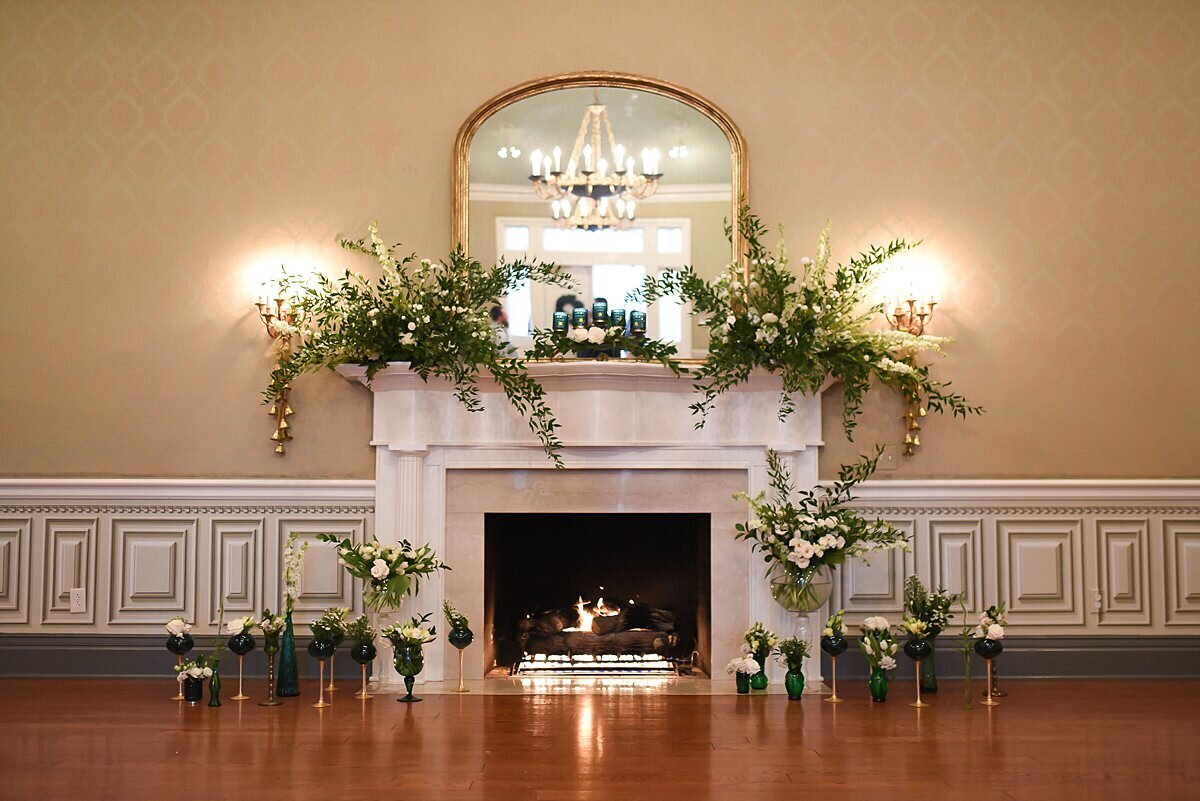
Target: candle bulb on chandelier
(536, 161)
(557, 158)
(546, 167)
(602, 167)
(619, 156)
(629, 165)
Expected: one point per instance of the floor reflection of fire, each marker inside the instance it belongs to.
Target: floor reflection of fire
(602, 638)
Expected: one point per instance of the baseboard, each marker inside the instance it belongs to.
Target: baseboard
(1026, 657)
(56, 655)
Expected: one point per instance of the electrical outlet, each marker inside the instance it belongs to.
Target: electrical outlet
(890, 459)
(78, 601)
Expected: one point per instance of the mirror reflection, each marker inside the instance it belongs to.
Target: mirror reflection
(614, 184)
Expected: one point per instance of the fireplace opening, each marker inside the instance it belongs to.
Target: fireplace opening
(597, 594)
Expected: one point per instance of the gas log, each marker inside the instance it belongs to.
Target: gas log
(636, 630)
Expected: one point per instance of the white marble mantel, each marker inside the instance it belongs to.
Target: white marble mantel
(614, 415)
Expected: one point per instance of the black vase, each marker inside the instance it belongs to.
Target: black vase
(989, 649)
(338, 637)
(460, 638)
(241, 644)
(320, 649)
(180, 644)
(193, 690)
(917, 650)
(363, 653)
(835, 645)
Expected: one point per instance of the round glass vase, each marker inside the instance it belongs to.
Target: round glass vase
(793, 682)
(878, 684)
(803, 590)
(834, 645)
(409, 660)
(760, 680)
(460, 638)
(743, 682)
(180, 644)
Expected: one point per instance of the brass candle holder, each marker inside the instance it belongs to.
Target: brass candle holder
(332, 656)
(321, 702)
(178, 684)
(271, 699)
(279, 319)
(990, 699)
(909, 314)
(461, 688)
(363, 694)
(919, 704)
(994, 691)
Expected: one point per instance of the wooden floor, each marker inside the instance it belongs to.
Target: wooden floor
(102, 739)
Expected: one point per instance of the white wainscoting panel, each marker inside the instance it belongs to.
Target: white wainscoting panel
(15, 534)
(956, 559)
(1041, 570)
(1181, 546)
(1122, 557)
(146, 550)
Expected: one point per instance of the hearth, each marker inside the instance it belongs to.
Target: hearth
(597, 594)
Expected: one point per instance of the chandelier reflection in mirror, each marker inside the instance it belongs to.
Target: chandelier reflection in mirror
(594, 192)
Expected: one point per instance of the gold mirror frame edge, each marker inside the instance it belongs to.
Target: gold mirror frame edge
(460, 190)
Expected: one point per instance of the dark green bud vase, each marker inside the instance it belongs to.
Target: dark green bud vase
(193, 690)
(743, 682)
(760, 680)
(409, 660)
(794, 683)
(929, 667)
(879, 685)
(214, 688)
(460, 638)
(288, 683)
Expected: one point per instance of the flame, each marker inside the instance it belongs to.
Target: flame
(586, 615)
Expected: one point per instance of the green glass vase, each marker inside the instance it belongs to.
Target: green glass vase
(409, 661)
(794, 683)
(288, 683)
(214, 688)
(879, 685)
(929, 668)
(743, 682)
(760, 680)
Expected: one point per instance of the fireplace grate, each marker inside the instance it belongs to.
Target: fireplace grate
(600, 665)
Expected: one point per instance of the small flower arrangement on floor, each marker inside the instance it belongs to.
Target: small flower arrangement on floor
(361, 631)
(331, 625)
(742, 664)
(389, 572)
(877, 643)
(758, 643)
(792, 653)
(991, 623)
(240, 625)
(836, 625)
(178, 626)
(193, 669)
(415, 632)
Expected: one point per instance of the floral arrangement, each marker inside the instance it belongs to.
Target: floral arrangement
(991, 623)
(759, 642)
(434, 315)
(293, 566)
(239, 625)
(804, 327)
(792, 653)
(192, 669)
(271, 625)
(178, 626)
(742, 664)
(819, 529)
(360, 630)
(455, 618)
(415, 632)
(835, 626)
(390, 572)
(601, 343)
(930, 608)
(916, 628)
(330, 624)
(877, 643)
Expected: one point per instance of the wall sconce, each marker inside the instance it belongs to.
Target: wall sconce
(279, 319)
(908, 304)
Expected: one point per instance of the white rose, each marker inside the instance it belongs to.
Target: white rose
(887, 663)
(995, 632)
(177, 626)
(770, 318)
(578, 335)
(234, 627)
(877, 623)
(207, 673)
(380, 569)
(412, 326)
(595, 335)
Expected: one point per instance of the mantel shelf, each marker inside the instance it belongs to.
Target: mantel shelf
(598, 403)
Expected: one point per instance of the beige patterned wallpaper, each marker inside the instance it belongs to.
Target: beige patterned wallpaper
(154, 155)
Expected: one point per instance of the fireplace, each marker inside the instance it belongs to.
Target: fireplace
(597, 594)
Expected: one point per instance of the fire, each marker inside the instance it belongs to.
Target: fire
(586, 616)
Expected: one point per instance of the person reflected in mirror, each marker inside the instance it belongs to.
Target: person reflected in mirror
(568, 304)
(500, 323)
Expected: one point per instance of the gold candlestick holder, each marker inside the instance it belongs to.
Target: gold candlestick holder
(919, 704)
(989, 699)
(321, 702)
(178, 684)
(241, 696)
(279, 320)
(363, 694)
(331, 688)
(995, 692)
(461, 688)
(910, 314)
(271, 699)
(833, 699)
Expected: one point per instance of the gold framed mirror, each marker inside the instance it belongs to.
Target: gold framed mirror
(613, 175)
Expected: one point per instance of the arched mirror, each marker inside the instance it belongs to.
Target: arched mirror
(613, 176)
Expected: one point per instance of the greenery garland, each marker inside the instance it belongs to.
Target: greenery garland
(604, 343)
(802, 327)
(434, 315)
